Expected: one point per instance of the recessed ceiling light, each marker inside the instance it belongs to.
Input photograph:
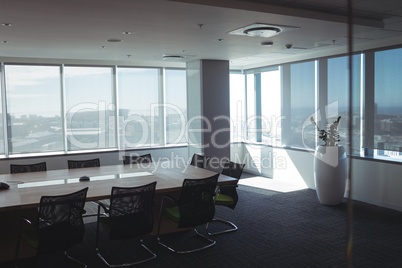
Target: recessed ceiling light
(114, 40)
(6, 24)
(126, 32)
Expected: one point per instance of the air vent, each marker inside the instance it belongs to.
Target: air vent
(262, 30)
(172, 57)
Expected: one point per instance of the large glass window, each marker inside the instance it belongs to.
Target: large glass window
(237, 107)
(302, 88)
(388, 99)
(33, 98)
(338, 98)
(271, 107)
(139, 107)
(251, 109)
(90, 108)
(176, 106)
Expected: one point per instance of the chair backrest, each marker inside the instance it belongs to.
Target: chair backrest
(232, 169)
(83, 163)
(131, 211)
(137, 159)
(60, 223)
(200, 161)
(196, 201)
(28, 168)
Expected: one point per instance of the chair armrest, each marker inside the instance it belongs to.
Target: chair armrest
(105, 207)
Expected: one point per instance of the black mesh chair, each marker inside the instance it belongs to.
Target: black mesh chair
(226, 195)
(27, 168)
(194, 207)
(129, 215)
(200, 161)
(58, 227)
(72, 164)
(137, 159)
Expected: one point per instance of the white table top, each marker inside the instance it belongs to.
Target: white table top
(26, 189)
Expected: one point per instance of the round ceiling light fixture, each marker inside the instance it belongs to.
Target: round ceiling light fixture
(262, 31)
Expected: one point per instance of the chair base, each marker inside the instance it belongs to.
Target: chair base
(127, 264)
(210, 244)
(74, 260)
(232, 229)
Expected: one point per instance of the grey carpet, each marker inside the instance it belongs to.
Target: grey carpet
(275, 230)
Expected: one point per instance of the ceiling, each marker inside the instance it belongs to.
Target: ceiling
(75, 31)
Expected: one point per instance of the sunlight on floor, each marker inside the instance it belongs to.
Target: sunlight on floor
(271, 184)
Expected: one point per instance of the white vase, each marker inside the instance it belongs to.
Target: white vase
(330, 174)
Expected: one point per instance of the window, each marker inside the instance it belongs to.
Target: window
(139, 109)
(176, 106)
(90, 108)
(387, 102)
(271, 107)
(237, 107)
(338, 98)
(251, 109)
(33, 109)
(302, 88)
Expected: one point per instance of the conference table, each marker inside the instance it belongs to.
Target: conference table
(26, 189)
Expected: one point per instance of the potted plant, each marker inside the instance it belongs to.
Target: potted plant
(330, 165)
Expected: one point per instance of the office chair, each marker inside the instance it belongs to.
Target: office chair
(200, 161)
(129, 215)
(226, 195)
(72, 164)
(137, 159)
(59, 225)
(194, 207)
(27, 168)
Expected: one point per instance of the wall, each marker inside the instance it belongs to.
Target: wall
(208, 110)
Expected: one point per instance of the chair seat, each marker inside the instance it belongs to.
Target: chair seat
(172, 213)
(223, 200)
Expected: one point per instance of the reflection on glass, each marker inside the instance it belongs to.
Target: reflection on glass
(387, 98)
(302, 83)
(33, 109)
(89, 108)
(139, 107)
(176, 106)
(237, 107)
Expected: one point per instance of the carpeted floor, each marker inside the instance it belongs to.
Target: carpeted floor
(275, 230)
